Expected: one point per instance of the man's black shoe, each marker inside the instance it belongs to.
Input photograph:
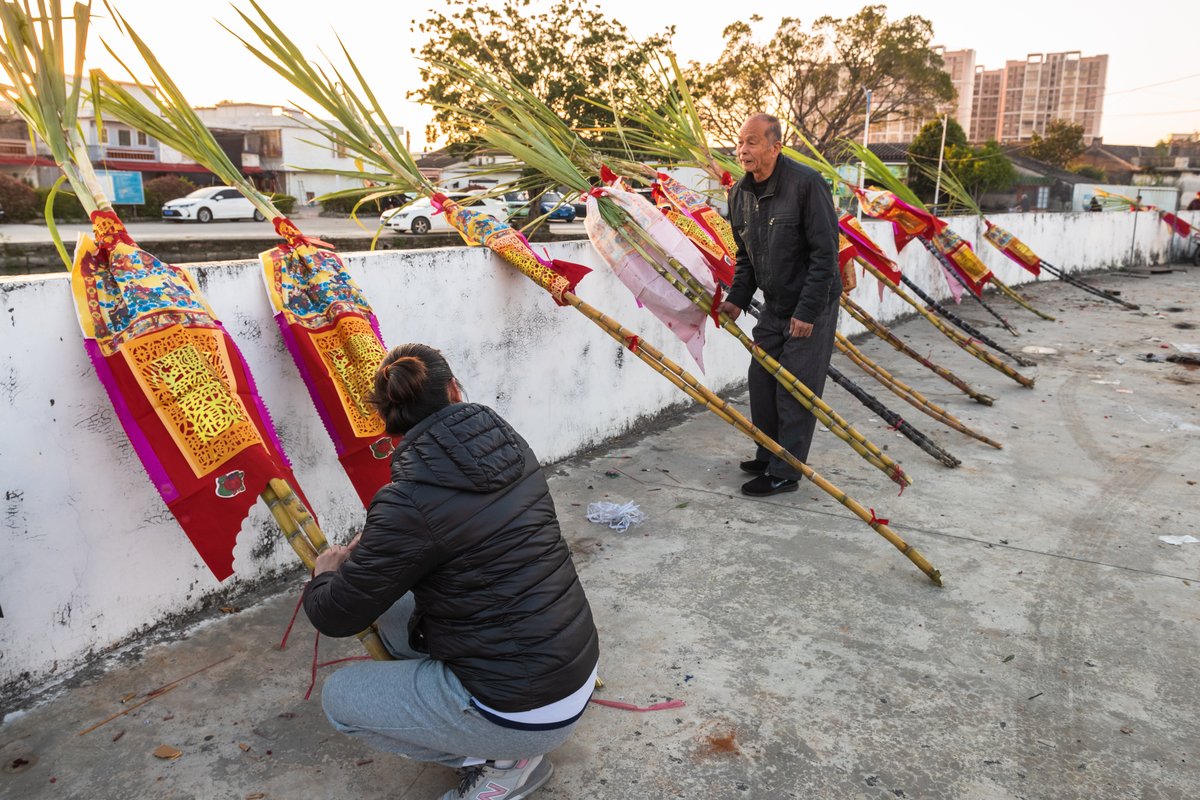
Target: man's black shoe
(753, 466)
(765, 486)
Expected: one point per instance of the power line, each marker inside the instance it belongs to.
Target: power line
(1152, 85)
(1156, 113)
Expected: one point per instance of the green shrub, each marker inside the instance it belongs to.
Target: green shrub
(284, 202)
(344, 205)
(339, 205)
(158, 191)
(66, 205)
(19, 199)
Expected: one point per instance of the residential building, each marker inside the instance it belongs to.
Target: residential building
(903, 127)
(1014, 103)
(282, 143)
(112, 147)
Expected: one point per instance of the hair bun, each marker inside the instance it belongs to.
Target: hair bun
(405, 379)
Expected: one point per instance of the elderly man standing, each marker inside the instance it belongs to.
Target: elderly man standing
(785, 227)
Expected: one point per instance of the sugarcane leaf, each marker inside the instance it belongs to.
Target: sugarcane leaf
(878, 172)
(52, 226)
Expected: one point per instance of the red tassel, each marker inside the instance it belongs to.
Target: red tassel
(726, 180)
(288, 631)
(663, 706)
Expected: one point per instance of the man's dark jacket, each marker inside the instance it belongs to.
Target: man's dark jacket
(787, 242)
(468, 525)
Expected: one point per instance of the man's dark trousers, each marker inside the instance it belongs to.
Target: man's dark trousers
(772, 409)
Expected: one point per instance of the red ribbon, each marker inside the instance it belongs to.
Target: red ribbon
(632, 343)
(292, 235)
(898, 476)
(896, 427)
(726, 179)
(288, 631)
(876, 520)
(715, 310)
(607, 175)
(663, 706)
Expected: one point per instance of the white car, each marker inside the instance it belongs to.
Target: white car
(209, 203)
(419, 217)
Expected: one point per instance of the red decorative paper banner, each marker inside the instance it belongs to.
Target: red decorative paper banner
(1176, 224)
(846, 254)
(179, 387)
(866, 249)
(963, 259)
(701, 223)
(333, 336)
(908, 221)
(1014, 248)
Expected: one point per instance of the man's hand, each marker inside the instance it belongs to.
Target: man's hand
(800, 329)
(332, 559)
(730, 310)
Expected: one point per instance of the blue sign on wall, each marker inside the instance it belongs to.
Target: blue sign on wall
(123, 188)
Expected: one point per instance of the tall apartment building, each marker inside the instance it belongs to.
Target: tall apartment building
(1013, 103)
(902, 128)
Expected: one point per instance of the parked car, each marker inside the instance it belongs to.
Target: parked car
(517, 202)
(552, 203)
(419, 217)
(209, 203)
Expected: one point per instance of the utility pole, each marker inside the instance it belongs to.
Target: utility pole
(937, 188)
(862, 168)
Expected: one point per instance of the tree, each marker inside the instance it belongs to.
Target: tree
(981, 169)
(18, 199)
(815, 79)
(924, 151)
(571, 56)
(1092, 173)
(1062, 144)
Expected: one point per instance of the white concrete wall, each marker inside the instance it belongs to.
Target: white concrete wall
(91, 555)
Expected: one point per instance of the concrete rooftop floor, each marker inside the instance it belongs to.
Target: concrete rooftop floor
(1059, 661)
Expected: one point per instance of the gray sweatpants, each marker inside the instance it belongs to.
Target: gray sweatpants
(772, 409)
(416, 707)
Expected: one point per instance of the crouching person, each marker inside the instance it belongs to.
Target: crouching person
(462, 562)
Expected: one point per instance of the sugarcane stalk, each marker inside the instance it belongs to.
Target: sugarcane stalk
(883, 332)
(1079, 283)
(299, 513)
(906, 392)
(965, 343)
(683, 380)
(892, 418)
(968, 328)
(690, 288)
(1012, 294)
(873, 403)
(933, 251)
(306, 538)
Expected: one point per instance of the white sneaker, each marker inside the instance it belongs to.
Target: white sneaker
(486, 782)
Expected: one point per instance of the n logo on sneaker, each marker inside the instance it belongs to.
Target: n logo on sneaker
(494, 792)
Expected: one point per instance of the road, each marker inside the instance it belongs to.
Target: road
(310, 222)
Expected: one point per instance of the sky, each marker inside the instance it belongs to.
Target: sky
(1153, 86)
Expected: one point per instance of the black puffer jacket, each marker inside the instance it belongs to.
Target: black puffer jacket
(787, 242)
(468, 525)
